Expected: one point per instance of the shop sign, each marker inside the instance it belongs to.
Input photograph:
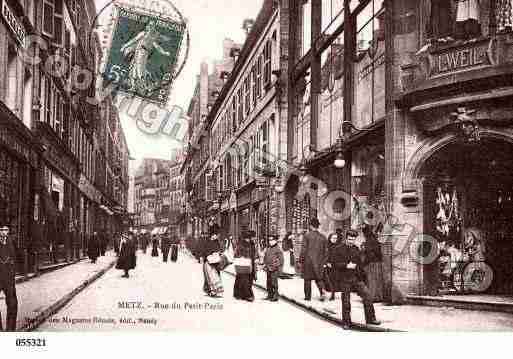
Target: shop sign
(233, 201)
(60, 161)
(244, 198)
(461, 58)
(13, 23)
(89, 190)
(14, 144)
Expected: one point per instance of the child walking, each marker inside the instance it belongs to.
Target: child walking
(273, 265)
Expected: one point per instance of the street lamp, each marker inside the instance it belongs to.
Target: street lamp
(340, 161)
(279, 186)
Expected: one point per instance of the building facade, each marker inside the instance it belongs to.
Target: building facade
(397, 119)
(152, 198)
(48, 150)
(196, 165)
(248, 127)
(177, 195)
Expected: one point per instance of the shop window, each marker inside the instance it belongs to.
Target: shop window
(370, 65)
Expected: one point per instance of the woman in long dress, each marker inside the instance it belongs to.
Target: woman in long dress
(243, 287)
(127, 257)
(373, 263)
(211, 248)
(155, 245)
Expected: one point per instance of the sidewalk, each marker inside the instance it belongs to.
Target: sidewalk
(40, 297)
(393, 318)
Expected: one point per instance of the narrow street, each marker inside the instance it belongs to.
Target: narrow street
(182, 306)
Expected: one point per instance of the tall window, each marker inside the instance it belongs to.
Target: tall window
(240, 106)
(12, 78)
(247, 96)
(306, 17)
(234, 114)
(267, 63)
(370, 65)
(259, 67)
(53, 12)
(254, 83)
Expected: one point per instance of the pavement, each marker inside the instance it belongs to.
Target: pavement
(41, 296)
(168, 297)
(394, 318)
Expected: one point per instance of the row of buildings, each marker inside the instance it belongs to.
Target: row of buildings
(63, 154)
(158, 196)
(384, 112)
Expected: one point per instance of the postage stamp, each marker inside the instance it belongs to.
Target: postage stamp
(143, 54)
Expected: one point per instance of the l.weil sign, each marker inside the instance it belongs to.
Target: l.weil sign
(461, 58)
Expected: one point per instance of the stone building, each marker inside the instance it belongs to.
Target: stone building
(248, 129)
(196, 165)
(48, 123)
(152, 198)
(401, 120)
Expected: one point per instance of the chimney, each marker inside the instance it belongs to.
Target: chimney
(247, 25)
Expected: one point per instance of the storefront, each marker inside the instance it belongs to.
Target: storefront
(244, 210)
(457, 192)
(19, 203)
(60, 182)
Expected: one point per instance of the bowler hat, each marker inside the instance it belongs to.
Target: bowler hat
(314, 222)
(352, 233)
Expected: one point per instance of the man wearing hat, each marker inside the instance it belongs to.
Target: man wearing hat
(7, 277)
(313, 253)
(349, 263)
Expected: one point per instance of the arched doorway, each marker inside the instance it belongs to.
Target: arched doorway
(468, 209)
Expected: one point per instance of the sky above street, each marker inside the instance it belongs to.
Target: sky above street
(210, 22)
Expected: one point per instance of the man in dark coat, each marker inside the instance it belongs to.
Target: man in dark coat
(7, 277)
(273, 263)
(313, 255)
(165, 246)
(117, 242)
(93, 250)
(345, 260)
(103, 242)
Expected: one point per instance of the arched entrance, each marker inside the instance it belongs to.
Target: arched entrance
(467, 207)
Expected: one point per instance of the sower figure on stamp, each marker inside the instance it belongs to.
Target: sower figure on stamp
(7, 277)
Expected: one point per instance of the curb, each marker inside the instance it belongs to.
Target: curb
(323, 315)
(33, 323)
(42, 271)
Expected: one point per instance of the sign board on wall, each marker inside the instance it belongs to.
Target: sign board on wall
(14, 24)
(460, 58)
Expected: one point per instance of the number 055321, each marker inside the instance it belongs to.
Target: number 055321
(30, 342)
